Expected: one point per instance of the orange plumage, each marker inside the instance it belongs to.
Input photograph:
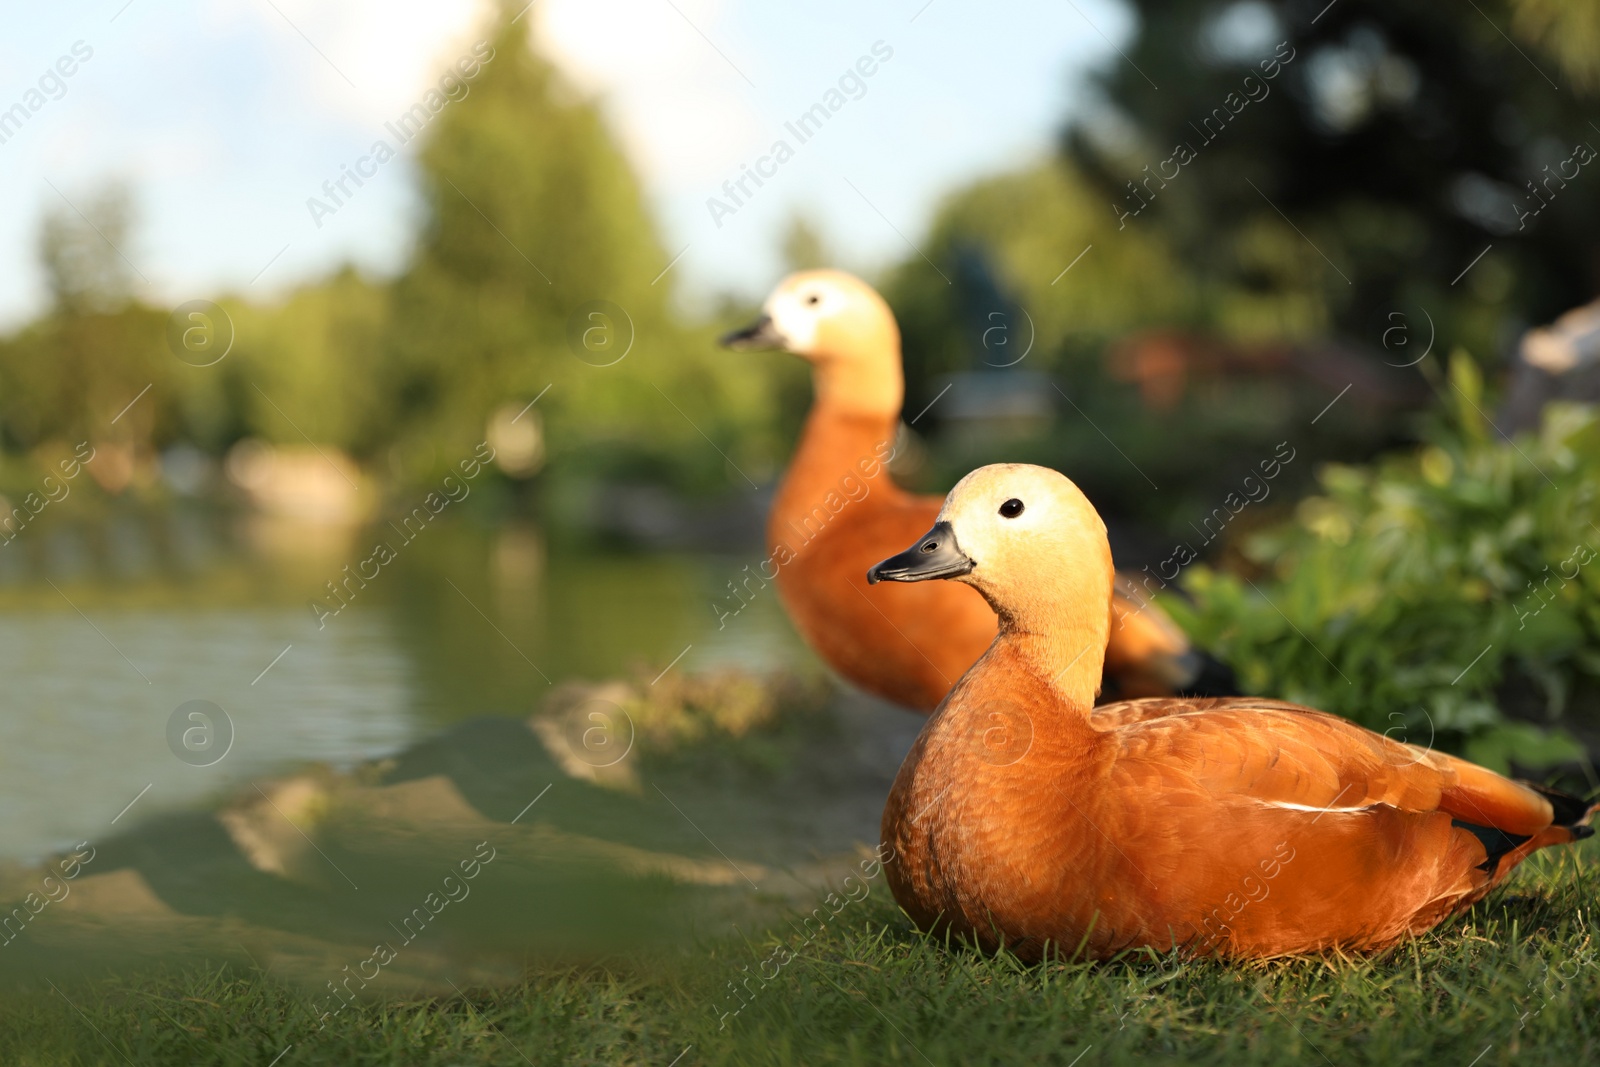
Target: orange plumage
(838, 512)
(1239, 826)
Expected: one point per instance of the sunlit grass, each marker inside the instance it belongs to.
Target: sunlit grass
(1516, 979)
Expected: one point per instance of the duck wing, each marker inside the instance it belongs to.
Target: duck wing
(1126, 712)
(1295, 758)
(1286, 829)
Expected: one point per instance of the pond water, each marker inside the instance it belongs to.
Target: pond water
(108, 626)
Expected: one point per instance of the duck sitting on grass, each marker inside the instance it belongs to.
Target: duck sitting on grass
(1233, 826)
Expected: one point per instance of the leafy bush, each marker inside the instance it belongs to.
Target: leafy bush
(1412, 594)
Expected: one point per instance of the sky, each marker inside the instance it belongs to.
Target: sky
(223, 117)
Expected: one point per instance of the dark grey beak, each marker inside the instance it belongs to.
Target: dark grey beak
(759, 334)
(935, 555)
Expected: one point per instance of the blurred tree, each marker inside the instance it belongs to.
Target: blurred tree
(100, 366)
(1361, 154)
(537, 266)
(316, 359)
(1041, 241)
(81, 254)
(68, 376)
(1568, 30)
(804, 247)
(1018, 238)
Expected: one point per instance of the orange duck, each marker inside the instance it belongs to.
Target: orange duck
(837, 512)
(1237, 827)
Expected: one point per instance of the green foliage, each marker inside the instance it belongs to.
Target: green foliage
(1038, 247)
(1365, 162)
(67, 375)
(308, 365)
(81, 254)
(531, 211)
(1027, 227)
(531, 215)
(1569, 30)
(803, 246)
(1376, 599)
(303, 366)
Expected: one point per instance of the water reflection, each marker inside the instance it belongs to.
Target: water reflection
(109, 624)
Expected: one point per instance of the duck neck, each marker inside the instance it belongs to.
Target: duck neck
(868, 383)
(1069, 659)
(842, 453)
(1059, 622)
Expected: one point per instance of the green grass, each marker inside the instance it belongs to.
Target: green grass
(1517, 979)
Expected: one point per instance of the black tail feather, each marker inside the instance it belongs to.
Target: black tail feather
(1214, 678)
(1496, 843)
(1569, 810)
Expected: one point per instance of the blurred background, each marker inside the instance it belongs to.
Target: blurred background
(358, 379)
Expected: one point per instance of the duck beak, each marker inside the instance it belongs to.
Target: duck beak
(759, 334)
(935, 555)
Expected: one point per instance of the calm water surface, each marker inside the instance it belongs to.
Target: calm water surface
(108, 626)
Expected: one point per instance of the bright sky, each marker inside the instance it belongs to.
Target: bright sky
(224, 116)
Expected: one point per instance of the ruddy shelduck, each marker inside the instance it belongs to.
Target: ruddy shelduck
(1237, 827)
(838, 511)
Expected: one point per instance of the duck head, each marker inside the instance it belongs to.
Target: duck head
(1029, 541)
(843, 328)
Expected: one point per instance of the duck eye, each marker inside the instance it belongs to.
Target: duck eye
(813, 300)
(1011, 508)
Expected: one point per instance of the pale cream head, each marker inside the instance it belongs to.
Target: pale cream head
(839, 324)
(1028, 540)
(1038, 547)
(1041, 559)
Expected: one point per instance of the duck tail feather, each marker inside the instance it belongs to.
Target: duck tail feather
(1571, 811)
